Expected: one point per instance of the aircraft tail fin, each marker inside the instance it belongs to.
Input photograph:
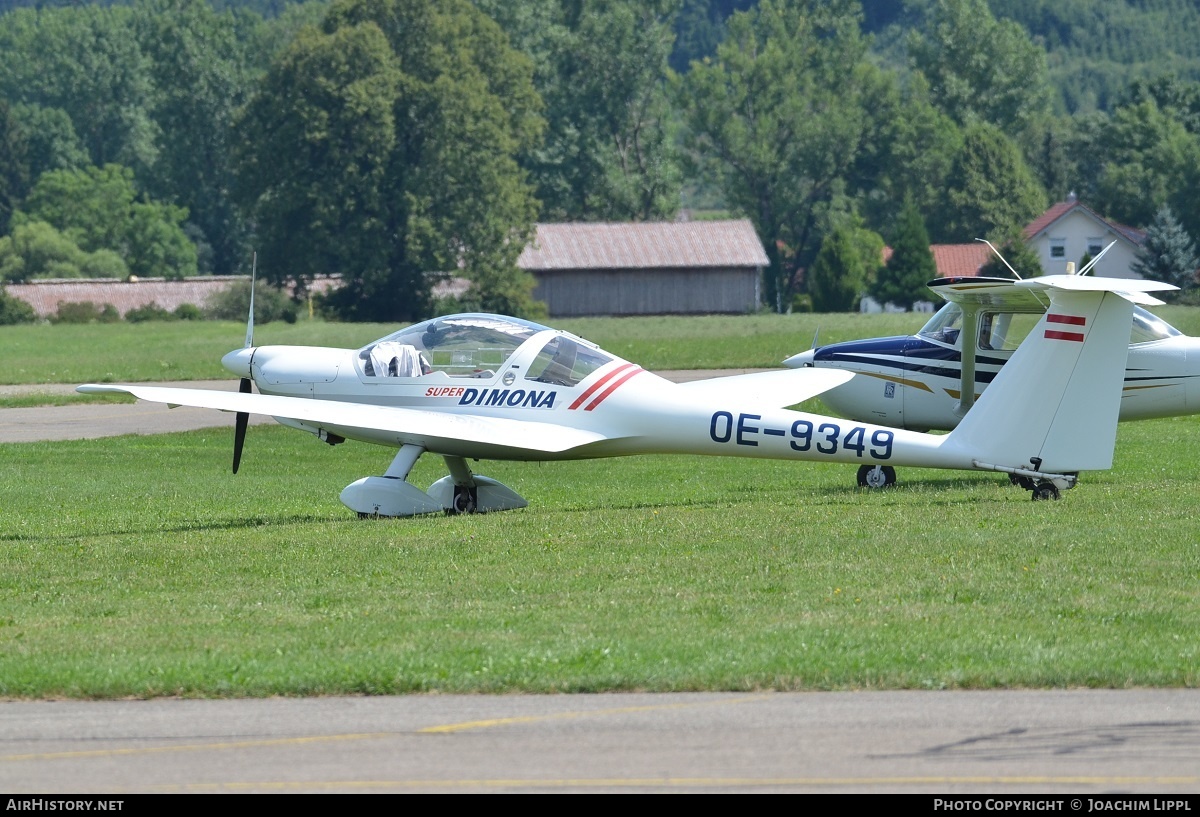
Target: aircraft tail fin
(1055, 403)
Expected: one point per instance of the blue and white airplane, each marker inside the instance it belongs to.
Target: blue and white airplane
(929, 381)
(490, 387)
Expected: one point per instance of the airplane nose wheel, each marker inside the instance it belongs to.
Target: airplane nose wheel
(876, 476)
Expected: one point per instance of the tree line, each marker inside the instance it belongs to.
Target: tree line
(400, 141)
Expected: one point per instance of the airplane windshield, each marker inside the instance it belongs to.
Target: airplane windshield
(472, 345)
(565, 360)
(945, 325)
(1148, 327)
(996, 331)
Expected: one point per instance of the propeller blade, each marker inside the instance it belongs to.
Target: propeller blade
(250, 320)
(239, 427)
(244, 385)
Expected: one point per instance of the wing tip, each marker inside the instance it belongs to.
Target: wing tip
(100, 388)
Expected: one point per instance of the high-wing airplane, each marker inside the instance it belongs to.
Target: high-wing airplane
(479, 386)
(931, 379)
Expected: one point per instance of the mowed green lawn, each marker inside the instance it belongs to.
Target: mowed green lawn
(192, 350)
(142, 567)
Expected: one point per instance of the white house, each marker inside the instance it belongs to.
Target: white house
(1070, 231)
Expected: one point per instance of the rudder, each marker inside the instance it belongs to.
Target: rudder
(1054, 405)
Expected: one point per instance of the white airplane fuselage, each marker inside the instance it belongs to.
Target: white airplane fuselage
(637, 411)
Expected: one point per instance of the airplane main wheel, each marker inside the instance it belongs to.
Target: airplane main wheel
(464, 500)
(1045, 490)
(876, 476)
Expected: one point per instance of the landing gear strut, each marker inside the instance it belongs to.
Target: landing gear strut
(876, 476)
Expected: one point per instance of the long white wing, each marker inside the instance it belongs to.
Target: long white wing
(776, 389)
(412, 423)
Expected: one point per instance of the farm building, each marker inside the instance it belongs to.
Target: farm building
(685, 267)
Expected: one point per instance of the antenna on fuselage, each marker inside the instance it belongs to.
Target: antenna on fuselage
(1092, 263)
(1001, 257)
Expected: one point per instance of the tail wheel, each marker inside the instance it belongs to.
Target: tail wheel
(876, 476)
(1045, 490)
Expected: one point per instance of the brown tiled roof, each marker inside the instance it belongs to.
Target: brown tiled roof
(959, 260)
(1047, 218)
(672, 244)
(44, 296)
(953, 260)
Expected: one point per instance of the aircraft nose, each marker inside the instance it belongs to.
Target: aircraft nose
(801, 360)
(238, 361)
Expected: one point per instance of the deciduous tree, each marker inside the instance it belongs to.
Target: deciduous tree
(383, 146)
(989, 191)
(201, 76)
(609, 151)
(780, 110)
(84, 60)
(98, 209)
(980, 68)
(1148, 158)
(35, 249)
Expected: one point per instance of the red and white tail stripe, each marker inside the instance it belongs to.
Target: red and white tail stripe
(1066, 320)
(606, 385)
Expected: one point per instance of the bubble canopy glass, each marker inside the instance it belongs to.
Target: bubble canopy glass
(462, 344)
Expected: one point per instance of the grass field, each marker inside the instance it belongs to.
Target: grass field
(192, 350)
(141, 567)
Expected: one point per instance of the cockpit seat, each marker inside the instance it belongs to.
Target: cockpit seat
(391, 359)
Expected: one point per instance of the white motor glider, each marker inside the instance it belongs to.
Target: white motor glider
(479, 387)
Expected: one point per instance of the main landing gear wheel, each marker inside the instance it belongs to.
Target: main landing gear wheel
(876, 476)
(464, 500)
(1045, 490)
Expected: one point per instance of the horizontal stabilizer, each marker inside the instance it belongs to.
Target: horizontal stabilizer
(1029, 295)
(774, 389)
(1131, 289)
(418, 426)
(1000, 293)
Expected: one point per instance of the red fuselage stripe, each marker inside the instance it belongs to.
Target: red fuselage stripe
(598, 384)
(1073, 320)
(1053, 335)
(636, 371)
